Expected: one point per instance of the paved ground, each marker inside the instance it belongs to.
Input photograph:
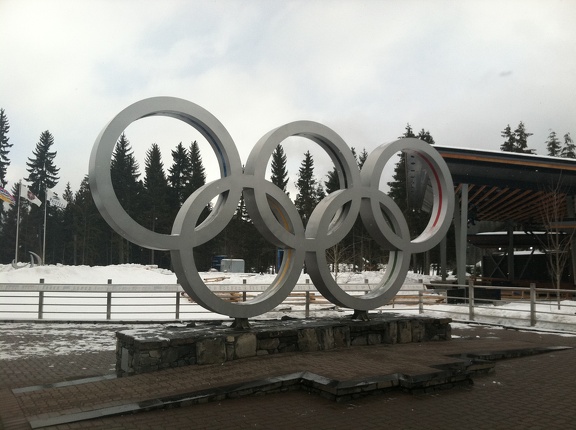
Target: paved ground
(533, 392)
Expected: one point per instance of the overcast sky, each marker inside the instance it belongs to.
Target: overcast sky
(461, 69)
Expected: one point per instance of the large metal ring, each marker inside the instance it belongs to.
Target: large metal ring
(273, 213)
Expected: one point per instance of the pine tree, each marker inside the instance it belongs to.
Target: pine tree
(553, 145)
(509, 144)
(93, 238)
(362, 158)
(156, 212)
(569, 148)
(67, 222)
(8, 236)
(517, 140)
(4, 160)
(4, 147)
(197, 179)
(408, 132)
(179, 175)
(308, 188)
(417, 219)
(42, 173)
(398, 183)
(125, 174)
(332, 183)
(426, 137)
(279, 171)
(156, 190)
(124, 170)
(198, 173)
(522, 139)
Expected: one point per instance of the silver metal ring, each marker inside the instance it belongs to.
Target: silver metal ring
(273, 213)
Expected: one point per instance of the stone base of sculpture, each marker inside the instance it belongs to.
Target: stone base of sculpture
(145, 350)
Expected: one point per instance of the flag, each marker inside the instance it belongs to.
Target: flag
(25, 193)
(55, 199)
(6, 196)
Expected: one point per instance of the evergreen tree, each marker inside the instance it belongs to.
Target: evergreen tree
(320, 193)
(279, 171)
(398, 183)
(509, 144)
(156, 212)
(569, 148)
(4, 147)
(179, 176)
(55, 251)
(309, 190)
(517, 140)
(4, 160)
(67, 222)
(408, 132)
(155, 187)
(198, 173)
(362, 158)
(426, 136)
(93, 238)
(553, 145)
(332, 183)
(197, 179)
(352, 247)
(417, 219)
(42, 173)
(124, 172)
(8, 236)
(522, 139)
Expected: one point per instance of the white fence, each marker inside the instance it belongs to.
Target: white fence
(517, 306)
(128, 302)
(80, 302)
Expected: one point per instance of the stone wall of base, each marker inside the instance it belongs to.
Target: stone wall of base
(145, 350)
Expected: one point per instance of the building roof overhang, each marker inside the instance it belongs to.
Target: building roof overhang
(506, 186)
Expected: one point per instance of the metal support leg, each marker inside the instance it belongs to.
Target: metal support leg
(461, 230)
(241, 324)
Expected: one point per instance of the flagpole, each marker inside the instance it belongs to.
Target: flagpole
(44, 239)
(18, 220)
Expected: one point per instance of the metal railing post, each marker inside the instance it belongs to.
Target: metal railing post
(471, 300)
(532, 304)
(41, 302)
(177, 313)
(307, 300)
(109, 302)
(420, 302)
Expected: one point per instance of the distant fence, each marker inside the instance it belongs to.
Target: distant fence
(118, 302)
(510, 306)
(77, 302)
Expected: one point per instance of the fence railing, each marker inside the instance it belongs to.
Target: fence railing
(532, 305)
(77, 302)
(125, 301)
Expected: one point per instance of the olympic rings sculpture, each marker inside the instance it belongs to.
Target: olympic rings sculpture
(273, 213)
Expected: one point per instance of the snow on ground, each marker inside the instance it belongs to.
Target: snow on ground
(22, 340)
(140, 274)
(59, 274)
(54, 338)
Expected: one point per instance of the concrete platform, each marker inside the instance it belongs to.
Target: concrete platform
(146, 350)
